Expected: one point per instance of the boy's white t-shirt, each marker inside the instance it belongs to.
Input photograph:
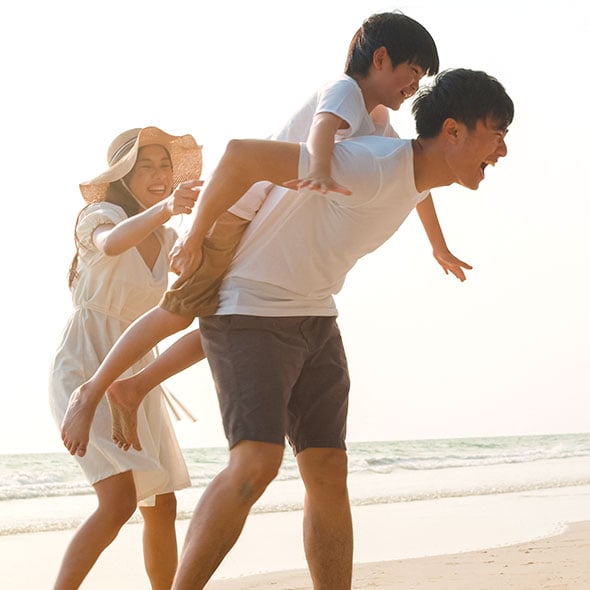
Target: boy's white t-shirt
(298, 249)
(343, 98)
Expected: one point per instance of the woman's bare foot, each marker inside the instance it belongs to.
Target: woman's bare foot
(124, 399)
(75, 426)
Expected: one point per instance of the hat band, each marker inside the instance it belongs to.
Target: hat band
(123, 150)
(128, 189)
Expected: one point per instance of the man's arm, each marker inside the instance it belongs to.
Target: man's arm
(440, 251)
(244, 163)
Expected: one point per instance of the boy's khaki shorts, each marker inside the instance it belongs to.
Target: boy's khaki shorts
(198, 296)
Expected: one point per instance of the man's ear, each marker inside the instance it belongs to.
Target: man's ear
(379, 56)
(452, 130)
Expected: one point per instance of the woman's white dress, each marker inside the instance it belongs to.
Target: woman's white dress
(109, 293)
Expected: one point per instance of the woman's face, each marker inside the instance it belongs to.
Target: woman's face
(151, 179)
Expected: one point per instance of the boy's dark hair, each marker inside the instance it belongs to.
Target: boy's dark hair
(405, 39)
(467, 96)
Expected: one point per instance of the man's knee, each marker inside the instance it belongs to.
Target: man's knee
(324, 471)
(253, 465)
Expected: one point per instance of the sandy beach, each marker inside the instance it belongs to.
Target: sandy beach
(517, 541)
(555, 563)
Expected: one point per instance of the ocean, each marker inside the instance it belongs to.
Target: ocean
(47, 491)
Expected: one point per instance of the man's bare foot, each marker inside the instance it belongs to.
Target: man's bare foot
(124, 400)
(75, 427)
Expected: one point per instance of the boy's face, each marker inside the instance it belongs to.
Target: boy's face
(475, 150)
(394, 84)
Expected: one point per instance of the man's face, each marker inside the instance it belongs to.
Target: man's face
(479, 147)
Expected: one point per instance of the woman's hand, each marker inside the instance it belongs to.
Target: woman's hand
(184, 197)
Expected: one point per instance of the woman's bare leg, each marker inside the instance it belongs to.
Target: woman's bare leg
(116, 505)
(139, 338)
(126, 395)
(160, 551)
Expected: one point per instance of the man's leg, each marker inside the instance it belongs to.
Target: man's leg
(223, 509)
(317, 430)
(327, 522)
(255, 362)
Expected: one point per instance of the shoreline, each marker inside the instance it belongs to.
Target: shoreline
(486, 536)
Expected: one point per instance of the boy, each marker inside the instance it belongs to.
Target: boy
(387, 57)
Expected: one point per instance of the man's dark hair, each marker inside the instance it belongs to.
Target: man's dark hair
(468, 96)
(405, 39)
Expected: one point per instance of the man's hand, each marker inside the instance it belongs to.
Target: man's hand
(185, 258)
(451, 264)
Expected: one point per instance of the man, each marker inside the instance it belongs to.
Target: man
(274, 347)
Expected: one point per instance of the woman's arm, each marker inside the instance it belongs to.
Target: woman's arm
(116, 239)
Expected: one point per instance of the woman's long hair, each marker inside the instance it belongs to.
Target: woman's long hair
(118, 194)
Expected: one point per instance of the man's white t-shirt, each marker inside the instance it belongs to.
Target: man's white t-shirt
(296, 252)
(343, 98)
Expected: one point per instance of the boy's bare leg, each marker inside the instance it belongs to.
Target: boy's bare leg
(327, 522)
(139, 338)
(125, 395)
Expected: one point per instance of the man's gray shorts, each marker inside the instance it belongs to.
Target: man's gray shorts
(277, 377)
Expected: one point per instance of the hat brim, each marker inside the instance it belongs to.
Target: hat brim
(184, 152)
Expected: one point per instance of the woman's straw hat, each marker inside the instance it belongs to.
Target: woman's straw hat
(122, 154)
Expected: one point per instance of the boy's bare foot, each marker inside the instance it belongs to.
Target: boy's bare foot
(75, 426)
(124, 400)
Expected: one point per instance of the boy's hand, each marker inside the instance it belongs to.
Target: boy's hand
(320, 184)
(452, 264)
(185, 257)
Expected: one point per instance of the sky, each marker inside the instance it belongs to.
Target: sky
(504, 353)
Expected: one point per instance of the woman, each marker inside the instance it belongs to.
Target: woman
(120, 270)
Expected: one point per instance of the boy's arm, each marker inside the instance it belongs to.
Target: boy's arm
(320, 145)
(440, 251)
